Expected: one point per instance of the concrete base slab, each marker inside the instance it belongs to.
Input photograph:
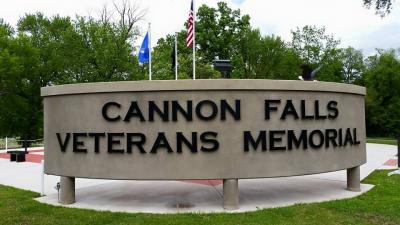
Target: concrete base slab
(394, 172)
(180, 197)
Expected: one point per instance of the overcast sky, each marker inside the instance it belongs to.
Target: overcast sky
(347, 20)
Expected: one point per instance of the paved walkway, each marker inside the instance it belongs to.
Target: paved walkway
(193, 195)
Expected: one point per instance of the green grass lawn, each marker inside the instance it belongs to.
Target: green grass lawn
(380, 140)
(12, 143)
(381, 205)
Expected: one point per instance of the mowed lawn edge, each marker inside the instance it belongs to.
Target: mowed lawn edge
(385, 141)
(381, 205)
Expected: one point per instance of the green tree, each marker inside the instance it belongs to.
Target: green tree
(353, 66)
(6, 33)
(58, 50)
(162, 60)
(104, 52)
(317, 48)
(220, 30)
(250, 48)
(219, 33)
(383, 94)
(278, 61)
(313, 44)
(46, 36)
(252, 55)
(267, 57)
(20, 102)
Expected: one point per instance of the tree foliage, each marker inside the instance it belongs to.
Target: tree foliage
(383, 94)
(353, 66)
(162, 60)
(313, 44)
(268, 57)
(316, 48)
(382, 7)
(251, 54)
(47, 51)
(20, 102)
(43, 51)
(219, 31)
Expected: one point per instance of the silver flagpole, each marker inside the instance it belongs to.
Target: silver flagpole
(176, 58)
(194, 41)
(149, 51)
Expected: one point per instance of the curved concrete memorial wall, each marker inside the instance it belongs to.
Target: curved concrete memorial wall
(203, 129)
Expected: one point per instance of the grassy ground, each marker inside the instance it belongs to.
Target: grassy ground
(380, 140)
(381, 205)
(13, 143)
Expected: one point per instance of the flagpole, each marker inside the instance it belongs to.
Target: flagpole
(176, 57)
(194, 41)
(149, 51)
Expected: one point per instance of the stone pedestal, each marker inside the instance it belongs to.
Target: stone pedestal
(353, 179)
(231, 194)
(67, 190)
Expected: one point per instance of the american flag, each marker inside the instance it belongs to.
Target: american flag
(190, 33)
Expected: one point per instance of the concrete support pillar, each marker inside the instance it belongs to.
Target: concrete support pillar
(67, 190)
(231, 194)
(353, 179)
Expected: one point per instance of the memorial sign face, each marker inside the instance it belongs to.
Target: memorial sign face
(203, 129)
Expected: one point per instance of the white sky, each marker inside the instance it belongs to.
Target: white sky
(348, 20)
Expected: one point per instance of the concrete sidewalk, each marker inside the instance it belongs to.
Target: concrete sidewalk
(194, 196)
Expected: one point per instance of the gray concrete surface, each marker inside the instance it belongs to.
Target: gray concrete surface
(231, 159)
(353, 179)
(230, 194)
(207, 84)
(67, 190)
(177, 196)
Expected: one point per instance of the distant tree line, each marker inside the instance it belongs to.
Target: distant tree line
(43, 51)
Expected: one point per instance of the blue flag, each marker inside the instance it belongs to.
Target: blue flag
(144, 50)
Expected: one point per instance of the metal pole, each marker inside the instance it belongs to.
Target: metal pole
(26, 144)
(176, 58)
(194, 41)
(42, 178)
(150, 78)
(398, 152)
(6, 144)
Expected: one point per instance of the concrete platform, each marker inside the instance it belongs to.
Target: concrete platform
(190, 196)
(181, 197)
